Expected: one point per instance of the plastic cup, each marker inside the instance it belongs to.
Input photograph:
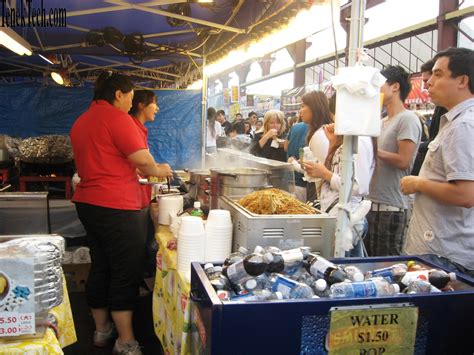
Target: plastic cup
(219, 217)
(191, 225)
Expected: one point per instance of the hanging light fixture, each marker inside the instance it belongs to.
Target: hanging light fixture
(14, 42)
(58, 79)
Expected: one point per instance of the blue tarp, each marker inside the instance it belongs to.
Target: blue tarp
(34, 110)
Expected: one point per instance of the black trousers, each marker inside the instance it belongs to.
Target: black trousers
(116, 240)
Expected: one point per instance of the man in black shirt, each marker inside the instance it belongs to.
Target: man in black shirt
(426, 71)
(224, 123)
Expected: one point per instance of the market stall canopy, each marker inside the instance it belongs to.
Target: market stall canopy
(160, 43)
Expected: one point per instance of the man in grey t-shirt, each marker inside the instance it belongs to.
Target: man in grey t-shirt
(442, 224)
(397, 146)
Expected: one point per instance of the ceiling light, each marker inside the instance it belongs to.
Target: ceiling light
(14, 41)
(46, 59)
(58, 79)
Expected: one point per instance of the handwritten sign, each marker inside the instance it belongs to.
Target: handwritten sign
(374, 330)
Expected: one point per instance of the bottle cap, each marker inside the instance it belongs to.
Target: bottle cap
(315, 296)
(243, 250)
(258, 249)
(218, 268)
(396, 288)
(358, 276)
(267, 258)
(251, 284)
(452, 276)
(320, 284)
(208, 265)
(197, 204)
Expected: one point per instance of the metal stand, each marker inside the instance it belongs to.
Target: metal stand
(349, 147)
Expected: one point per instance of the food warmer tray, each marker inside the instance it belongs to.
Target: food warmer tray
(285, 231)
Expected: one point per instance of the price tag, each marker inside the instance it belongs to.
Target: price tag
(375, 330)
(15, 324)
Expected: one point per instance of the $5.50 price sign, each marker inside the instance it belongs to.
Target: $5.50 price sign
(376, 330)
(15, 324)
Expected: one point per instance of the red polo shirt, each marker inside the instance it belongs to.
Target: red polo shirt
(146, 189)
(102, 138)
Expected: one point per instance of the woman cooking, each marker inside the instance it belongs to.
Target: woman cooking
(108, 151)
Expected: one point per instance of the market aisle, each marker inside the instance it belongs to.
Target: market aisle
(143, 325)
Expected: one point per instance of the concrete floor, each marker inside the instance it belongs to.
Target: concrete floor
(143, 326)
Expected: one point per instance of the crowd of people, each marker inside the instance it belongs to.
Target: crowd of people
(111, 151)
(406, 162)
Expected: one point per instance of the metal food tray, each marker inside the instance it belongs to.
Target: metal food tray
(285, 231)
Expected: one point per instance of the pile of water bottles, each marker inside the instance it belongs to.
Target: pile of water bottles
(273, 274)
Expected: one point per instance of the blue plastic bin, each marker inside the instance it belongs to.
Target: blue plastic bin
(445, 323)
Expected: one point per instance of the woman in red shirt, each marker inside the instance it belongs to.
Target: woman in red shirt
(108, 151)
(144, 108)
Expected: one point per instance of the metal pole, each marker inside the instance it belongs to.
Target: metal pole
(204, 114)
(349, 147)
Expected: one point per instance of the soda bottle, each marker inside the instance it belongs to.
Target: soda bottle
(291, 289)
(438, 278)
(241, 253)
(391, 273)
(288, 260)
(353, 273)
(218, 280)
(320, 267)
(370, 288)
(420, 286)
(196, 211)
(247, 268)
(320, 288)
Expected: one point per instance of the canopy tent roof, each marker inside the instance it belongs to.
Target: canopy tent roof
(160, 43)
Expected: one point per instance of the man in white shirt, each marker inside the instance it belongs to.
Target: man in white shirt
(442, 224)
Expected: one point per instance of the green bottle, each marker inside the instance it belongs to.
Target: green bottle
(196, 211)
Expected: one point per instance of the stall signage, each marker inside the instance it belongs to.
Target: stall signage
(374, 330)
(15, 324)
(17, 296)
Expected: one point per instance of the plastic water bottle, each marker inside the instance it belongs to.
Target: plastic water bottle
(197, 211)
(241, 253)
(322, 268)
(288, 261)
(247, 268)
(370, 288)
(291, 289)
(390, 273)
(353, 273)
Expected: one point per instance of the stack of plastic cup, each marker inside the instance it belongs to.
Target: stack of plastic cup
(167, 205)
(191, 244)
(218, 235)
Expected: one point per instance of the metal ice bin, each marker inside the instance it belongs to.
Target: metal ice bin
(289, 327)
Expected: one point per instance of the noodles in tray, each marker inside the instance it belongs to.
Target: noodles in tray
(274, 201)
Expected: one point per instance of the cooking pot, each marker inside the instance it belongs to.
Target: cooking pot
(198, 182)
(4, 155)
(239, 177)
(236, 182)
